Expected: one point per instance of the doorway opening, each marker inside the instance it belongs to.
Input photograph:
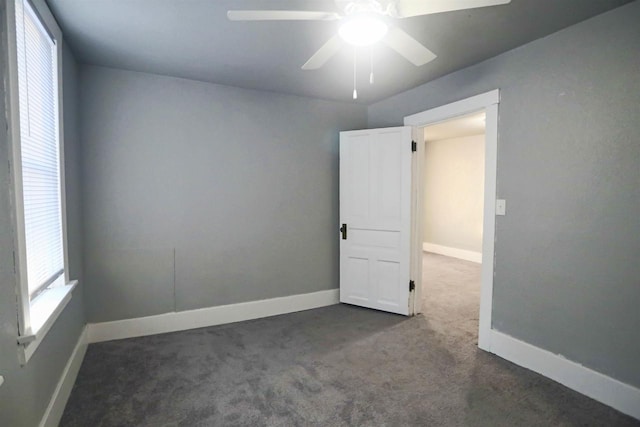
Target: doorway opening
(487, 103)
(453, 208)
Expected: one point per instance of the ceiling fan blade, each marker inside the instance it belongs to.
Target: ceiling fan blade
(408, 8)
(408, 47)
(322, 55)
(280, 15)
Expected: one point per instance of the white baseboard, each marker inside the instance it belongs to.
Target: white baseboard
(211, 316)
(53, 413)
(623, 397)
(453, 252)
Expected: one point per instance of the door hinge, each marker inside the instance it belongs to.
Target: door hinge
(414, 146)
(343, 230)
(412, 285)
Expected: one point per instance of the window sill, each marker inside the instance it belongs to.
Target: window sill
(45, 309)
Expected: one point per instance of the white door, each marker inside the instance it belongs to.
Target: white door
(375, 215)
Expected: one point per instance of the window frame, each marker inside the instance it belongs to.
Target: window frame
(50, 302)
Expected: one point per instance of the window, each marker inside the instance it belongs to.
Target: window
(39, 148)
(37, 166)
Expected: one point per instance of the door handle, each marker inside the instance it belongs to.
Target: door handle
(343, 230)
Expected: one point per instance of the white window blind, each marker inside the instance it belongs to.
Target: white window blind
(40, 157)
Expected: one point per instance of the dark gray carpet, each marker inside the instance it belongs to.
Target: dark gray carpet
(335, 366)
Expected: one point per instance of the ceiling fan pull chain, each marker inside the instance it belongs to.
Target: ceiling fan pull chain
(355, 60)
(371, 73)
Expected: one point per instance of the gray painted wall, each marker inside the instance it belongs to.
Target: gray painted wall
(27, 390)
(567, 277)
(198, 195)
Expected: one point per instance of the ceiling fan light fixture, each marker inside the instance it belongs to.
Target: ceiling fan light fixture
(363, 31)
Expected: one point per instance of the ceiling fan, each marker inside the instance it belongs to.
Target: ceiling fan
(365, 22)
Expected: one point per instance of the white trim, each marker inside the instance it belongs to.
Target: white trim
(623, 397)
(489, 103)
(211, 316)
(17, 214)
(453, 252)
(417, 188)
(453, 109)
(44, 310)
(488, 225)
(53, 413)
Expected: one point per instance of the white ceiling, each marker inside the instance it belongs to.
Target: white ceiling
(193, 39)
(471, 124)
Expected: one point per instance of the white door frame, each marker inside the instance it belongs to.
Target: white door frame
(489, 102)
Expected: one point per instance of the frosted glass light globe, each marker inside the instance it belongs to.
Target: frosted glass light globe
(363, 31)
